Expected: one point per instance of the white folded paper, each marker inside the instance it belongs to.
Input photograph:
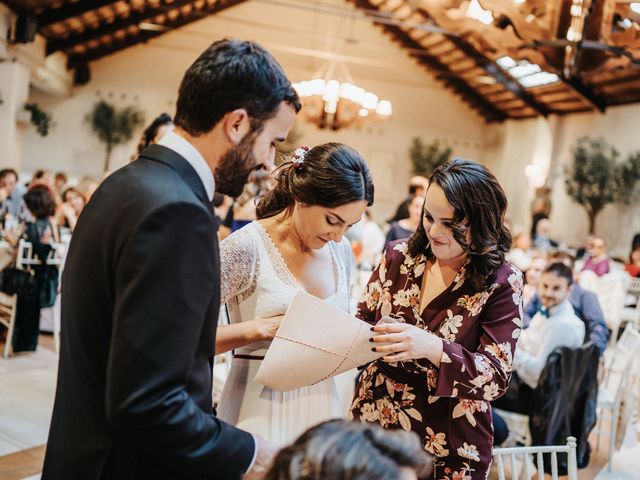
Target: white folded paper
(315, 341)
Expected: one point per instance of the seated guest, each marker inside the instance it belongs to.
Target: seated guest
(585, 250)
(633, 267)
(40, 202)
(41, 289)
(60, 182)
(372, 242)
(532, 277)
(11, 193)
(521, 254)
(555, 325)
(598, 261)
(73, 203)
(154, 132)
(344, 450)
(585, 305)
(42, 176)
(542, 239)
(407, 227)
(417, 187)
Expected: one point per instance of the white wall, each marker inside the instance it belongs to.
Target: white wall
(149, 75)
(517, 145)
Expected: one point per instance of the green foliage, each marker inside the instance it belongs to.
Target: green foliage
(114, 126)
(426, 158)
(43, 121)
(598, 177)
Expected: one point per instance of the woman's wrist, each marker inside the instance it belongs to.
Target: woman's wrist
(435, 349)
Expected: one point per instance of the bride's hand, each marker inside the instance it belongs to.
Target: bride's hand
(405, 342)
(266, 328)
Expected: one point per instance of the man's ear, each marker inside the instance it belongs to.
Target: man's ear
(235, 125)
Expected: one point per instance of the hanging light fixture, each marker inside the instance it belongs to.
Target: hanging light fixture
(332, 100)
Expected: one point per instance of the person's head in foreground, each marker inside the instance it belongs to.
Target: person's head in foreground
(555, 284)
(463, 218)
(235, 104)
(322, 192)
(343, 450)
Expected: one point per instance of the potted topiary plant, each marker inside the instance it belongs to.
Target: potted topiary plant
(598, 177)
(426, 158)
(32, 113)
(113, 126)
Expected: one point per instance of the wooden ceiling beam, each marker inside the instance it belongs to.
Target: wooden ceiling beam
(18, 7)
(70, 10)
(146, 35)
(492, 69)
(434, 65)
(134, 18)
(586, 92)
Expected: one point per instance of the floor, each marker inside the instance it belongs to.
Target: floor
(27, 389)
(27, 383)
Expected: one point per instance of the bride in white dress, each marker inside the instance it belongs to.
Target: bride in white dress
(297, 243)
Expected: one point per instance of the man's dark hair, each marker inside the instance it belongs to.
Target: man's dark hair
(229, 75)
(6, 171)
(561, 270)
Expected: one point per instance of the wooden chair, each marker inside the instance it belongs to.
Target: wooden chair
(8, 319)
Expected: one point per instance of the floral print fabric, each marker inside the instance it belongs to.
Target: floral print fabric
(448, 407)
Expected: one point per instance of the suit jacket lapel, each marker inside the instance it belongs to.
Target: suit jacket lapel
(180, 165)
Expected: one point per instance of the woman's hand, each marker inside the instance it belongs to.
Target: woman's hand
(266, 328)
(237, 335)
(403, 341)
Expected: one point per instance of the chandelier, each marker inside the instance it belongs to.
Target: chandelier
(332, 100)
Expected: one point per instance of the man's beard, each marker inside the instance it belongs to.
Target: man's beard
(235, 166)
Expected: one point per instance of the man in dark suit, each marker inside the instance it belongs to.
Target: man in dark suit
(141, 287)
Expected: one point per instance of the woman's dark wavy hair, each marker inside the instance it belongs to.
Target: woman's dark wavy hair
(40, 201)
(480, 207)
(331, 175)
(344, 450)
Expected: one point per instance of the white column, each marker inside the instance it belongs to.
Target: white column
(14, 88)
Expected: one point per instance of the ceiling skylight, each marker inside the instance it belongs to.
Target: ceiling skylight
(527, 74)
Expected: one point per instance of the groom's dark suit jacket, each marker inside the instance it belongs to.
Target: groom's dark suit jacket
(140, 302)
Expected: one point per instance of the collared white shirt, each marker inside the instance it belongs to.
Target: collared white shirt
(562, 328)
(187, 151)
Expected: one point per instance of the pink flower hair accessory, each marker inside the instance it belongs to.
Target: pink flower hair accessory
(298, 156)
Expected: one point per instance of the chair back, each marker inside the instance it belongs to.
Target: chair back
(619, 369)
(8, 318)
(523, 455)
(26, 257)
(611, 291)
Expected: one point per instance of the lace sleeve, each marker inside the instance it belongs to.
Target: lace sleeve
(238, 265)
(346, 255)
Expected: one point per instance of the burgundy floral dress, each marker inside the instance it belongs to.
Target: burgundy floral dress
(448, 407)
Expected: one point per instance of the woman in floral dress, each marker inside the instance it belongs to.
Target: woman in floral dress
(446, 309)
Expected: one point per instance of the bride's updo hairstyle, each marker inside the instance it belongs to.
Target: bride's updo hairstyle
(328, 175)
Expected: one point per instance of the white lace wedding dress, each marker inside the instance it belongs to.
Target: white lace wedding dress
(256, 283)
